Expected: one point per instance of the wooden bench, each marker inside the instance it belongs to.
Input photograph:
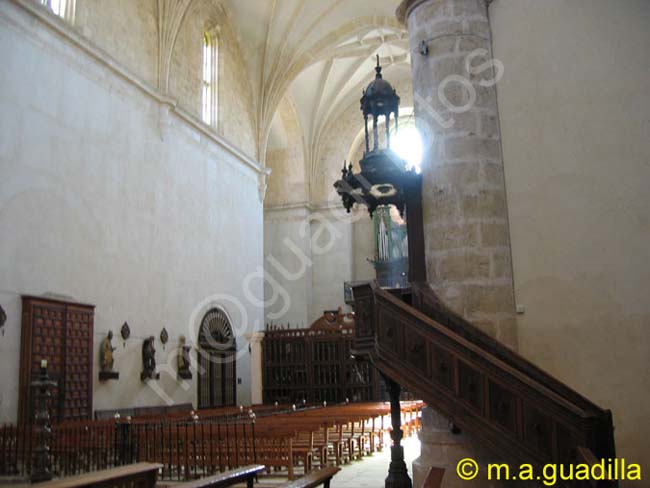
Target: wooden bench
(227, 478)
(151, 411)
(143, 475)
(314, 479)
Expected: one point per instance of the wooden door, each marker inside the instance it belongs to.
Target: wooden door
(217, 360)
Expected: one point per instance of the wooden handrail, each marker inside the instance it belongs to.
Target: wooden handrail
(426, 301)
(512, 406)
(473, 348)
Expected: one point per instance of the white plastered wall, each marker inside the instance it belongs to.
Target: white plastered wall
(575, 119)
(111, 197)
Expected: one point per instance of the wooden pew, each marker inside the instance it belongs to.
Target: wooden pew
(142, 475)
(248, 473)
(156, 411)
(227, 478)
(314, 479)
(345, 431)
(311, 437)
(275, 451)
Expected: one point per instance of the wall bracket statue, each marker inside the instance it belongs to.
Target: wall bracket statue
(184, 362)
(149, 360)
(106, 360)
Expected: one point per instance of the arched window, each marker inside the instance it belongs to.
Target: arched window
(217, 361)
(62, 8)
(209, 79)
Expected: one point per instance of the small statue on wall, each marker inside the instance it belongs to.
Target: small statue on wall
(149, 360)
(184, 360)
(106, 360)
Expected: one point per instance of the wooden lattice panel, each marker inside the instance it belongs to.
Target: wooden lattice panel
(315, 364)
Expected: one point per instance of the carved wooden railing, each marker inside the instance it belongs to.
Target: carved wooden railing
(514, 408)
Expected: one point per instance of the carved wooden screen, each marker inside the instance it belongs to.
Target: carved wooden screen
(315, 364)
(217, 361)
(62, 333)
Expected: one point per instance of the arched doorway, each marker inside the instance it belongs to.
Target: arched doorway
(217, 361)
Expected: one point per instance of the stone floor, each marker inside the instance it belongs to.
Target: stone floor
(371, 471)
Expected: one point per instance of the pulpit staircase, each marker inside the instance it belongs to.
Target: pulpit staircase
(513, 408)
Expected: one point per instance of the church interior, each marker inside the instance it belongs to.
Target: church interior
(343, 243)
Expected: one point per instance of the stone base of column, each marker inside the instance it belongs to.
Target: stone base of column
(441, 448)
(397, 472)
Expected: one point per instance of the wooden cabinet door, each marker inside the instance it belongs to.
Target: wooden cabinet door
(62, 333)
(78, 391)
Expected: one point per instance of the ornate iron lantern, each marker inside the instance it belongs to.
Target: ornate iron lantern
(384, 178)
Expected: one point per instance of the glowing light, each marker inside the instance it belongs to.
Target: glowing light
(407, 144)
(58, 7)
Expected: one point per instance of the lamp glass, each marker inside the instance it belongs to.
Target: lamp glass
(407, 144)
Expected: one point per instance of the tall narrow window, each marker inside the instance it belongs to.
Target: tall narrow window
(209, 78)
(62, 8)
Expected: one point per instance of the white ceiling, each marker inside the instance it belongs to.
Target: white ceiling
(321, 53)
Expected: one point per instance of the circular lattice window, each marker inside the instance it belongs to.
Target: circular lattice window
(216, 332)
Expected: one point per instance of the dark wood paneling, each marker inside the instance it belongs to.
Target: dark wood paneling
(471, 386)
(503, 406)
(442, 366)
(417, 352)
(538, 430)
(61, 333)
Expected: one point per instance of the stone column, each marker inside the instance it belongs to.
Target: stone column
(467, 243)
(255, 342)
(443, 448)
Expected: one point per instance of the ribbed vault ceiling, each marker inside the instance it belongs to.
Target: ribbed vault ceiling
(321, 53)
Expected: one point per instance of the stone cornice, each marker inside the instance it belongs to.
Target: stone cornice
(406, 7)
(311, 207)
(63, 29)
(310, 211)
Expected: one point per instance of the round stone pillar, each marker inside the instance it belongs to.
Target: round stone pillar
(442, 448)
(255, 347)
(467, 243)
